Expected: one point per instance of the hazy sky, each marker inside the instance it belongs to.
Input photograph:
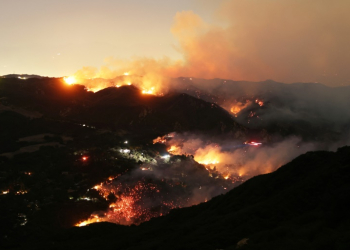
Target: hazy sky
(282, 40)
(57, 37)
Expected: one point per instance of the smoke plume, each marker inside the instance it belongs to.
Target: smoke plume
(255, 40)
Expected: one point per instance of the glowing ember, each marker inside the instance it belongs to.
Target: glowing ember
(260, 102)
(84, 158)
(70, 80)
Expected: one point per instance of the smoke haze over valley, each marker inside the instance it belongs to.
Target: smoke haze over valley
(175, 124)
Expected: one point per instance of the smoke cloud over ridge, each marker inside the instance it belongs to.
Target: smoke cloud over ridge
(287, 41)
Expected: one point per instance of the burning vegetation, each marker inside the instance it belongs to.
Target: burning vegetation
(95, 84)
(173, 181)
(238, 107)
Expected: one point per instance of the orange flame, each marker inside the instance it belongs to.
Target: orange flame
(238, 107)
(70, 80)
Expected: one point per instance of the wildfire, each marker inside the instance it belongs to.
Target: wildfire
(259, 102)
(237, 107)
(148, 92)
(208, 162)
(163, 139)
(97, 187)
(92, 219)
(134, 200)
(159, 140)
(70, 80)
(129, 207)
(174, 150)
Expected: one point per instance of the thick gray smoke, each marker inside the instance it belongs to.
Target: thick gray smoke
(304, 109)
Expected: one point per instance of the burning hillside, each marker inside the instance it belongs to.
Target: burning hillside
(146, 86)
(195, 170)
(235, 158)
(173, 182)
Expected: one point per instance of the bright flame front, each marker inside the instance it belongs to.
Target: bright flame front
(70, 80)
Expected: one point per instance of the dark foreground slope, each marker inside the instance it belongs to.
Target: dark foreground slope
(302, 205)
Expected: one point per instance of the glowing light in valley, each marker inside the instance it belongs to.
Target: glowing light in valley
(253, 143)
(70, 80)
(126, 73)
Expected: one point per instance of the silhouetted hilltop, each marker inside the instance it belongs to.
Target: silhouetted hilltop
(116, 108)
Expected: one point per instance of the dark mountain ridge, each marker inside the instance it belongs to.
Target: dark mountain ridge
(117, 108)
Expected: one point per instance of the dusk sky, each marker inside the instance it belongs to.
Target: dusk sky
(289, 41)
